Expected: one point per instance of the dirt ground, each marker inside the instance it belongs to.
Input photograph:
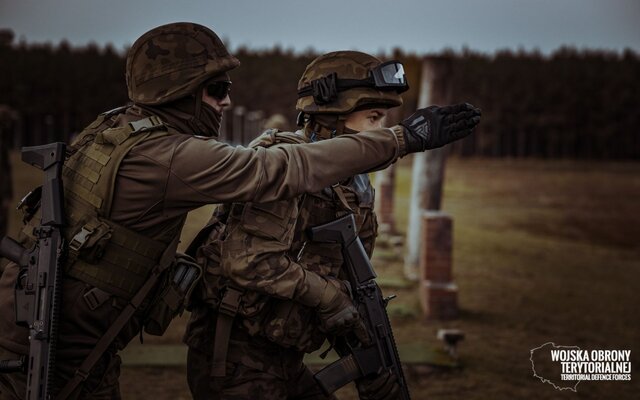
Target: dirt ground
(544, 251)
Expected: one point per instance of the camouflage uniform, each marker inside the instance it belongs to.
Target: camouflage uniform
(166, 173)
(264, 248)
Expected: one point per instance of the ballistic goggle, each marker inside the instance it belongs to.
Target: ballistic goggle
(386, 77)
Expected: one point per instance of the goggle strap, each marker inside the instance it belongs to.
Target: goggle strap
(326, 88)
(340, 125)
(340, 85)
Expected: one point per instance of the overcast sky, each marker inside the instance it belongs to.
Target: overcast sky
(326, 25)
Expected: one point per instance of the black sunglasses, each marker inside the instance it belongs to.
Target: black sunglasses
(218, 89)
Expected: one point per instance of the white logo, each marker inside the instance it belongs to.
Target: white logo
(564, 367)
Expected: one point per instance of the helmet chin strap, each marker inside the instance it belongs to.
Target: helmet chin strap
(327, 126)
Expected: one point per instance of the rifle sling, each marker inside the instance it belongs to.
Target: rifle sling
(125, 315)
(226, 314)
(339, 192)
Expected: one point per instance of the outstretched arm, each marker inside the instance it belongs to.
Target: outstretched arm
(208, 171)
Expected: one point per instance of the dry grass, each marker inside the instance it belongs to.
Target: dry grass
(544, 251)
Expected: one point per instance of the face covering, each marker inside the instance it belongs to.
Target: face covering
(189, 115)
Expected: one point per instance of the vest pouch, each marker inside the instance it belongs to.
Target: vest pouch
(178, 284)
(292, 325)
(89, 242)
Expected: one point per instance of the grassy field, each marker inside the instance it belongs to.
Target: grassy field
(543, 251)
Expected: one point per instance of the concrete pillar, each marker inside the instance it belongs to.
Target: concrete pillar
(237, 131)
(252, 126)
(223, 135)
(428, 167)
(385, 186)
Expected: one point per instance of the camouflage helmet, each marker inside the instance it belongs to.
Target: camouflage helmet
(346, 66)
(171, 61)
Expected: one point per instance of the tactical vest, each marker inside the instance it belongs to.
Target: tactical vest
(114, 260)
(284, 322)
(102, 253)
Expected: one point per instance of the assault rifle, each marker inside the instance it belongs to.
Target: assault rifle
(359, 360)
(38, 286)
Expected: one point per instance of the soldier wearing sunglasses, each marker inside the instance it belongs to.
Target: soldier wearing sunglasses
(132, 176)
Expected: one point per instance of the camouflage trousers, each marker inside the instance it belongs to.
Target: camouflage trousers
(256, 371)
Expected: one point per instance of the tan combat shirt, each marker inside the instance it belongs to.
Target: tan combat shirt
(160, 180)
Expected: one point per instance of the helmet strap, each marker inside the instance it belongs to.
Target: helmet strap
(300, 119)
(326, 126)
(340, 128)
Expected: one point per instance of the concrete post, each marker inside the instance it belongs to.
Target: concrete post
(428, 168)
(253, 126)
(385, 186)
(237, 131)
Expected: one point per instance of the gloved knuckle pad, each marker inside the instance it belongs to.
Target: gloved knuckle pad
(467, 114)
(459, 125)
(459, 134)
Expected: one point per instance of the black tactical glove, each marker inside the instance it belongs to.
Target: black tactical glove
(433, 127)
(383, 387)
(337, 313)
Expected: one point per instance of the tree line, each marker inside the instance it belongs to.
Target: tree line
(569, 104)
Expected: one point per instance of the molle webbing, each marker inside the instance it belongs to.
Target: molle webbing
(93, 168)
(101, 252)
(119, 264)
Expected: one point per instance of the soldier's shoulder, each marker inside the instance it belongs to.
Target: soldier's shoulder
(272, 137)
